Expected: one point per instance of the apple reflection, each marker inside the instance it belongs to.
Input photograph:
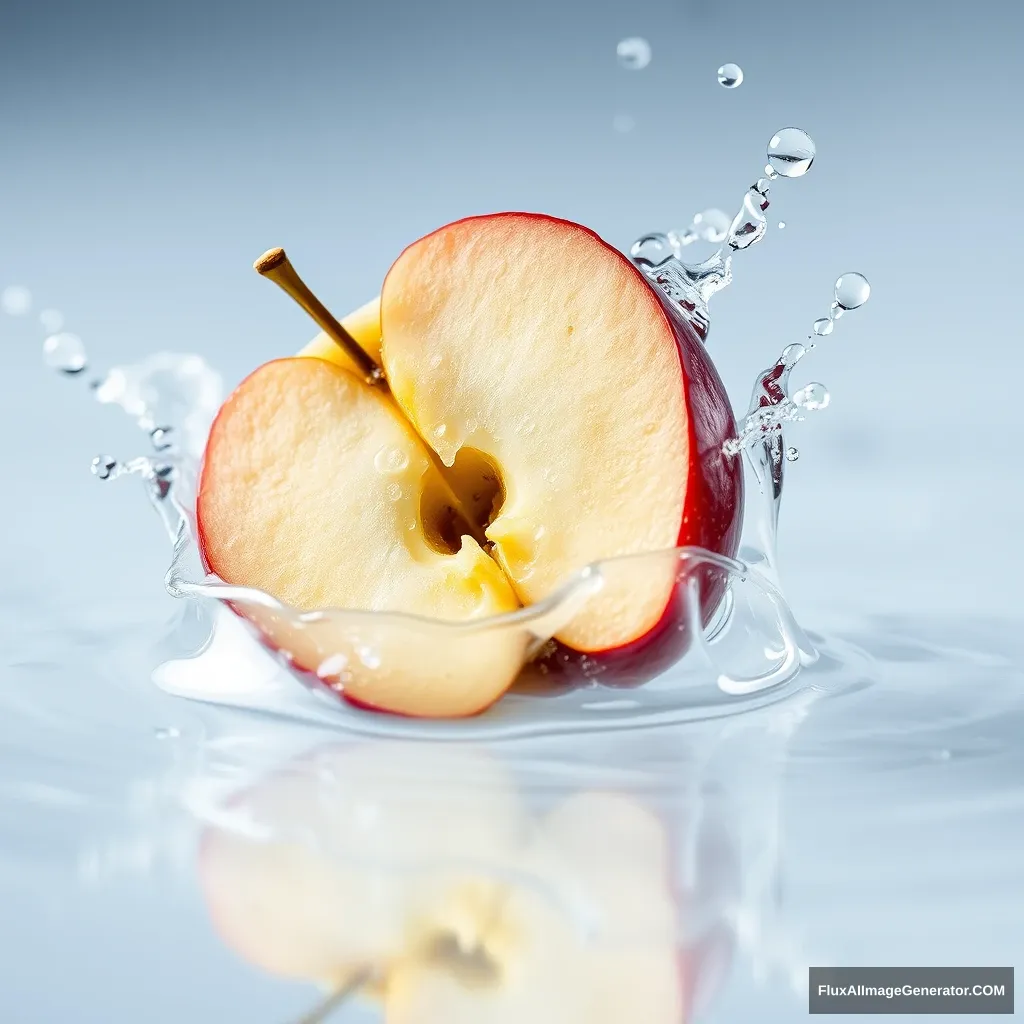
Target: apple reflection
(464, 894)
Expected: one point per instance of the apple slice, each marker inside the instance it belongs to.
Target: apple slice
(546, 374)
(316, 490)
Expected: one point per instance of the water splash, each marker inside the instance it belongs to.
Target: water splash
(760, 436)
(690, 286)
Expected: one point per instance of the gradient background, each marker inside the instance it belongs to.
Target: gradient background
(148, 152)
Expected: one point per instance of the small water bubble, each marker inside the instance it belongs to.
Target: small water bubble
(791, 152)
(623, 123)
(782, 225)
(836, 311)
(64, 352)
(634, 53)
(104, 466)
(852, 290)
(770, 172)
(16, 301)
(440, 430)
(390, 460)
(792, 454)
(52, 320)
(762, 186)
(394, 492)
(812, 397)
(823, 326)
(730, 76)
(160, 438)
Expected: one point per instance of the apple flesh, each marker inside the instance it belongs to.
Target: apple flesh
(535, 348)
(316, 491)
(545, 412)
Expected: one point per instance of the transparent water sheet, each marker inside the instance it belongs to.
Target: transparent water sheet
(749, 652)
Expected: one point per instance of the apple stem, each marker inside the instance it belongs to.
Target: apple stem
(275, 266)
(335, 999)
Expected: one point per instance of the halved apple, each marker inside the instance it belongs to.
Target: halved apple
(545, 409)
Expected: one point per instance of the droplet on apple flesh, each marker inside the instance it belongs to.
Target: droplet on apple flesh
(573, 421)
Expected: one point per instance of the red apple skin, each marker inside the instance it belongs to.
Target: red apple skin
(712, 519)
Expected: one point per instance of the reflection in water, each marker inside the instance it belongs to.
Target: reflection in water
(454, 883)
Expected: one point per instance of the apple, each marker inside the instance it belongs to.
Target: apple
(543, 410)
(426, 867)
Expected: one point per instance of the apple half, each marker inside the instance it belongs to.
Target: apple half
(545, 411)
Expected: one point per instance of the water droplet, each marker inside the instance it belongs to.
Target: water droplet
(623, 123)
(634, 53)
(369, 657)
(852, 290)
(412, 525)
(390, 460)
(64, 352)
(730, 76)
(52, 320)
(440, 430)
(791, 152)
(332, 666)
(761, 186)
(836, 311)
(782, 225)
(770, 171)
(16, 301)
(792, 454)
(823, 326)
(104, 466)
(812, 397)
(160, 437)
(167, 732)
(394, 492)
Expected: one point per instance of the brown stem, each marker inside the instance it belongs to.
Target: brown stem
(276, 266)
(337, 998)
